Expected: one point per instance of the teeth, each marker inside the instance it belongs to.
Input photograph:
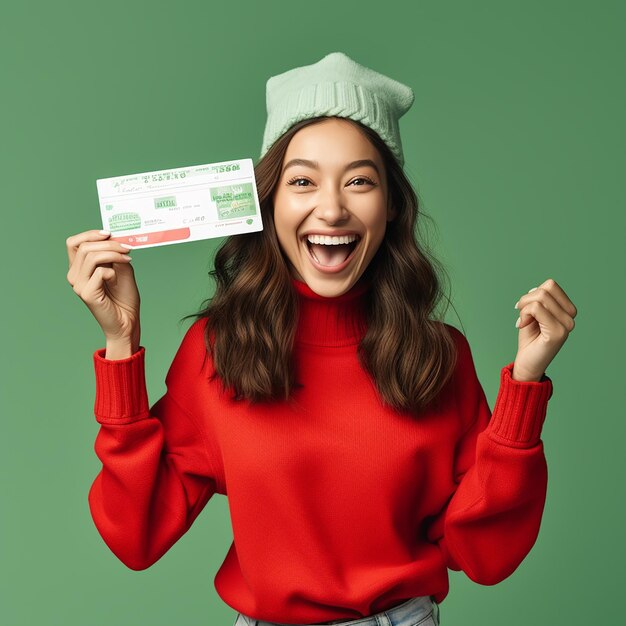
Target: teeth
(331, 241)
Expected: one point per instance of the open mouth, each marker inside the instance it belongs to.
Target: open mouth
(331, 251)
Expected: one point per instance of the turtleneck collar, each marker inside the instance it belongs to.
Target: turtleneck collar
(334, 322)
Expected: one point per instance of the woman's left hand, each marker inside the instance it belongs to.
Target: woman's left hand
(546, 319)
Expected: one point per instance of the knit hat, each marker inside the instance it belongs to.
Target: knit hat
(337, 86)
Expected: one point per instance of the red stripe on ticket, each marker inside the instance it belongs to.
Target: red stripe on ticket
(149, 239)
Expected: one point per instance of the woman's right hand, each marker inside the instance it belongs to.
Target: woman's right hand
(103, 278)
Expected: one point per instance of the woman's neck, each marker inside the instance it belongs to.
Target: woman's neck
(335, 321)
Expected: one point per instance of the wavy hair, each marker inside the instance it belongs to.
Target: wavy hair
(252, 316)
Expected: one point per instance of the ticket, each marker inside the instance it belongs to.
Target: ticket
(182, 204)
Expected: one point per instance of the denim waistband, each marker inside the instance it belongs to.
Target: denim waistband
(410, 613)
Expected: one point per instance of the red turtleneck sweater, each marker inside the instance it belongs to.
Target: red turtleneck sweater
(340, 507)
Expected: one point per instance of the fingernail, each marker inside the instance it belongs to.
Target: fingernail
(515, 307)
(519, 319)
(125, 245)
(105, 232)
(533, 289)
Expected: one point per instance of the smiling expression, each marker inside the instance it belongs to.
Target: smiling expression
(331, 205)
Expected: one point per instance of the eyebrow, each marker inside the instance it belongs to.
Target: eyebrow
(315, 165)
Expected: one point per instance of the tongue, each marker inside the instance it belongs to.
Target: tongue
(330, 255)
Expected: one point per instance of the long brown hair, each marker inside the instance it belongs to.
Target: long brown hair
(252, 316)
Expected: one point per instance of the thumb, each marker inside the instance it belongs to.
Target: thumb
(109, 276)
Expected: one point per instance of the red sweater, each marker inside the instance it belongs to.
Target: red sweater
(340, 507)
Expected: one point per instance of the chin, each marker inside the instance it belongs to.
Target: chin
(330, 287)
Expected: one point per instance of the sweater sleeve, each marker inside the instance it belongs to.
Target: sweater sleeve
(157, 472)
(492, 519)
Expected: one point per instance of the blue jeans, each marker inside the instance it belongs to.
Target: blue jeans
(420, 611)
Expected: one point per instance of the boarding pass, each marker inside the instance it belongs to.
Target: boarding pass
(182, 204)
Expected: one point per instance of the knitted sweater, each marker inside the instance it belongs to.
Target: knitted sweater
(340, 506)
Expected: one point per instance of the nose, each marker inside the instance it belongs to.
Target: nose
(330, 207)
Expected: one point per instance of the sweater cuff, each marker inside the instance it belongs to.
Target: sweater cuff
(520, 409)
(121, 394)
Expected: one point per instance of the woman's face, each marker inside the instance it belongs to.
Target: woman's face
(330, 205)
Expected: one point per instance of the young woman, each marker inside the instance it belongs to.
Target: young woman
(318, 390)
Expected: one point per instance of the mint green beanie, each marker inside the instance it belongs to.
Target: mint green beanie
(337, 86)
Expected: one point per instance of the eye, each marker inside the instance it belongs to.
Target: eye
(364, 178)
(297, 179)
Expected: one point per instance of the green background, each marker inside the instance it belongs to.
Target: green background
(515, 145)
